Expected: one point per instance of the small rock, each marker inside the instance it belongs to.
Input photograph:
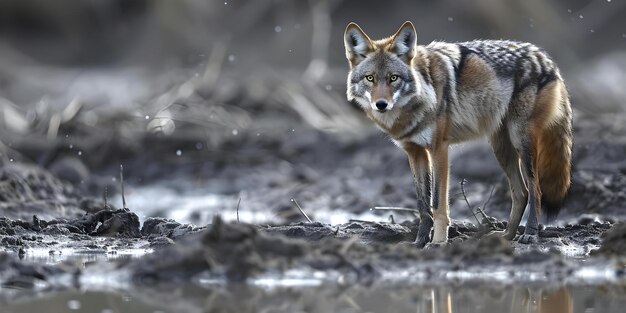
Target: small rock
(159, 242)
(158, 226)
(120, 224)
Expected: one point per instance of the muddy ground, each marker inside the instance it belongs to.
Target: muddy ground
(362, 251)
(52, 199)
(64, 223)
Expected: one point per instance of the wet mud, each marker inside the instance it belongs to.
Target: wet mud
(60, 229)
(236, 252)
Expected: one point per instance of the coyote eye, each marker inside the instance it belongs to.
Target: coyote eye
(370, 78)
(393, 78)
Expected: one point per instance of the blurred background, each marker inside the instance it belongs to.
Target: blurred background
(217, 101)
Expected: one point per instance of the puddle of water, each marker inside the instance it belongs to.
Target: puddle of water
(194, 205)
(45, 256)
(314, 299)
(96, 249)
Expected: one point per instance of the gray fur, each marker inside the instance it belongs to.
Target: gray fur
(381, 66)
(510, 76)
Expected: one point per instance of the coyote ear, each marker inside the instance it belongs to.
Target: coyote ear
(404, 40)
(357, 43)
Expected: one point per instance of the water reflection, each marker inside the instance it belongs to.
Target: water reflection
(82, 255)
(244, 299)
(521, 300)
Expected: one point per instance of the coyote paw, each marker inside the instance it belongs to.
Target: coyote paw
(528, 238)
(432, 245)
(530, 235)
(421, 242)
(499, 233)
(423, 233)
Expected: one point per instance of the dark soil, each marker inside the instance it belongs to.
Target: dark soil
(43, 211)
(237, 251)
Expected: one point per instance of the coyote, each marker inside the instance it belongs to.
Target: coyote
(429, 97)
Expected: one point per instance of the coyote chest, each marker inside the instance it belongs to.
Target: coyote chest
(404, 126)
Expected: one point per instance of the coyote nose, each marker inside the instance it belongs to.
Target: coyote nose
(381, 104)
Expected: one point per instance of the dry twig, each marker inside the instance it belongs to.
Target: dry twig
(489, 199)
(105, 196)
(238, 202)
(463, 182)
(301, 210)
(389, 208)
(122, 183)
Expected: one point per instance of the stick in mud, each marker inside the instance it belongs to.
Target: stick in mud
(105, 196)
(122, 183)
(387, 208)
(485, 217)
(463, 181)
(356, 220)
(482, 212)
(238, 202)
(489, 199)
(301, 210)
(390, 208)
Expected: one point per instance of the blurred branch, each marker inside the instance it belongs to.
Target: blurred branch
(318, 108)
(320, 40)
(14, 120)
(214, 65)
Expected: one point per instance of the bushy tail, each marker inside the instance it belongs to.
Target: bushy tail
(554, 156)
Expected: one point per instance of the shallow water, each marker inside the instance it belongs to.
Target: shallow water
(48, 256)
(187, 203)
(108, 289)
(458, 299)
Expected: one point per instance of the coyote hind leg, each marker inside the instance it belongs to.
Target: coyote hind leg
(509, 160)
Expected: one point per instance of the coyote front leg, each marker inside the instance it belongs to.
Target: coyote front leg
(440, 197)
(419, 161)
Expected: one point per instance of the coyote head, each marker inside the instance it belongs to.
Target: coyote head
(381, 75)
